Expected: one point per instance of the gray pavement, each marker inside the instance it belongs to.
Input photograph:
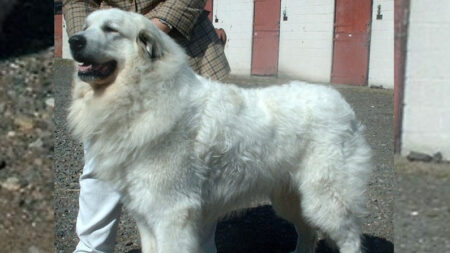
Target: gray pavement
(257, 230)
(422, 210)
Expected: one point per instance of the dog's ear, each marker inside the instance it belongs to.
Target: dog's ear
(150, 44)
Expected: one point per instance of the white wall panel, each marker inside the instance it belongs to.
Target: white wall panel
(236, 18)
(426, 120)
(381, 63)
(306, 39)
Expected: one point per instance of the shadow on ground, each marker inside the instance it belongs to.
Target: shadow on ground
(28, 28)
(261, 231)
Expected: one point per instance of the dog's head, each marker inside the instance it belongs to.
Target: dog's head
(110, 39)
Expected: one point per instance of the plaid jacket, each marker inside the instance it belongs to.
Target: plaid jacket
(191, 27)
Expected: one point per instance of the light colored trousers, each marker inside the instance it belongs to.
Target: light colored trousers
(99, 213)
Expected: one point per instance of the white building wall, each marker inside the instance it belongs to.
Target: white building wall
(426, 122)
(236, 18)
(306, 39)
(381, 63)
(65, 47)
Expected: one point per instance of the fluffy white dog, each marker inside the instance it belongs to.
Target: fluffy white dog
(185, 151)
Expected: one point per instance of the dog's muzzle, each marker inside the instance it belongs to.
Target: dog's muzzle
(89, 69)
(77, 43)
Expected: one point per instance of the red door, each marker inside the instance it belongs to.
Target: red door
(351, 42)
(58, 32)
(266, 33)
(209, 7)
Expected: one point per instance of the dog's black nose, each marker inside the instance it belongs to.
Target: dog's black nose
(77, 42)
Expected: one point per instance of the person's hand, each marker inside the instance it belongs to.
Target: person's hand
(222, 35)
(163, 27)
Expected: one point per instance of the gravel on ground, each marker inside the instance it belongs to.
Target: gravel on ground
(26, 128)
(26, 152)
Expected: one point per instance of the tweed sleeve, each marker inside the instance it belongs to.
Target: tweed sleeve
(76, 11)
(180, 14)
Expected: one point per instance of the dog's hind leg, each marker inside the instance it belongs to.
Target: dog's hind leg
(287, 205)
(333, 218)
(332, 188)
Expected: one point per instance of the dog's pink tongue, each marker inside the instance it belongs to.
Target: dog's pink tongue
(84, 67)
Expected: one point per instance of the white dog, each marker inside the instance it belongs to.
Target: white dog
(185, 151)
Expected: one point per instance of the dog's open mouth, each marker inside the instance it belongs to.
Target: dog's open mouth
(95, 71)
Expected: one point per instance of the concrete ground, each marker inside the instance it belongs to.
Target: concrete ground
(422, 207)
(258, 230)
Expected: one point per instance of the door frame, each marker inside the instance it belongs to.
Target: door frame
(401, 22)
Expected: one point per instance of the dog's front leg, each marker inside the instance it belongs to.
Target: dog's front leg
(178, 232)
(148, 239)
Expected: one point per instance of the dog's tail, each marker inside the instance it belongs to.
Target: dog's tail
(358, 166)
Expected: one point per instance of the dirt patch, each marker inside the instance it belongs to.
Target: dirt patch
(26, 149)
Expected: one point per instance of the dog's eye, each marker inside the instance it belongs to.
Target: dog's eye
(110, 29)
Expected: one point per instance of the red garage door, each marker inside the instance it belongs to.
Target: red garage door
(58, 32)
(209, 7)
(266, 33)
(351, 42)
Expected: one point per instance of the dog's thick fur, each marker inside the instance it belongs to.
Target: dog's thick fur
(184, 151)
